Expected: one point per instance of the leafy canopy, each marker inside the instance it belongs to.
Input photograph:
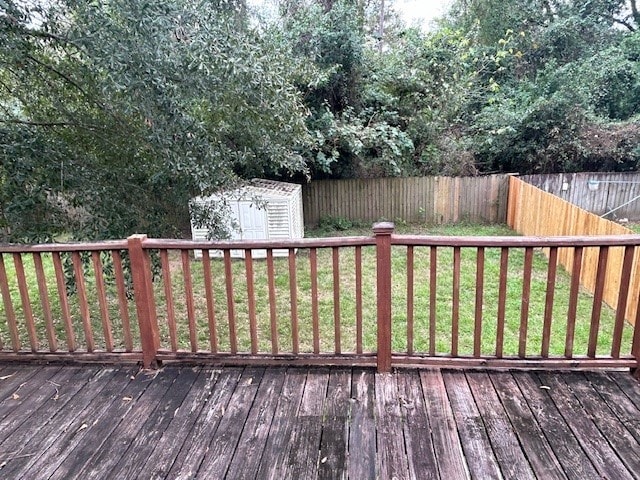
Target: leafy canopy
(114, 113)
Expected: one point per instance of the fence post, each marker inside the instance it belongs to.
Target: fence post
(143, 295)
(382, 232)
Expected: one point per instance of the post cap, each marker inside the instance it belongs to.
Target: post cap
(382, 228)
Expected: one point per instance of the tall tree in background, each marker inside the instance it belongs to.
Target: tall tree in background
(337, 40)
(565, 85)
(113, 114)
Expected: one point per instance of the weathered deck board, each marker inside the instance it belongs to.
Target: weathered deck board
(251, 444)
(479, 455)
(256, 423)
(417, 431)
(95, 457)
(586, 432)
(66, 402)
(391, 458)
(196, 446)
(133, 459)
(575, 461)
(362, 434)
(279, 444)
(335, 427)
(513, 461)
(534, 444)
(57, 442)
(221, 451)
(303, 456)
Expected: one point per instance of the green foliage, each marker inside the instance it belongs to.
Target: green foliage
(114, 114)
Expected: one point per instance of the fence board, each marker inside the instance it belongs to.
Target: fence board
(533, 211)
(608, 190)
(412, 199)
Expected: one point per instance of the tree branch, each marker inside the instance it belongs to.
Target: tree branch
(42, 123)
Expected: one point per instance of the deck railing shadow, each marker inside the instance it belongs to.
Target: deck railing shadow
(385, 300)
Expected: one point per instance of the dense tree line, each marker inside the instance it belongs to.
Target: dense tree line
(113, 113)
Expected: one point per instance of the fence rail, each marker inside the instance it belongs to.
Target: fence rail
(383, 300)
(413, 199)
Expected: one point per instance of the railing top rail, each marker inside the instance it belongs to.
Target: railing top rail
(415, 240)
(105, 245)
(153, 243)
(517, 242)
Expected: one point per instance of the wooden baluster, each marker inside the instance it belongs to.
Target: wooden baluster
(410, 267)
(455, 309)
(211, 304)
(477, 331)
(502, 300)
(293, 290)
(623, 296)
(313, 260)
(272, 301)
(635, 345)
(102, 301)
(524, 306)
(573, 301)
(336, 299)
(228, 279)
(251, 299)
(188, 293)
(433, 275)
(26, 301)
(85, 314)
(548, 304)
(8, 307)
(601, 278)
(44, 301)
(168, 296)
(64, 302)
(122, 300)
(358, 262)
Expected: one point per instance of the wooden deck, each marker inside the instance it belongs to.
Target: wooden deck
(118, 422)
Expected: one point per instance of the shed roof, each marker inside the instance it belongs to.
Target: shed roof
(259, 187)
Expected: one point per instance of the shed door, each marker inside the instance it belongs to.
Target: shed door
(253, 222)
(253, 226)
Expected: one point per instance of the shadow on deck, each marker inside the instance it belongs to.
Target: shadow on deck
(211, 423)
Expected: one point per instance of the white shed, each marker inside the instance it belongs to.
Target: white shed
(262, 210)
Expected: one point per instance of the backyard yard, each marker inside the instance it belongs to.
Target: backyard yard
(338, 303)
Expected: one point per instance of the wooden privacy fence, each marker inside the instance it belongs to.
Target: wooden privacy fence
(598, 192)
(535, 212)
(383, 300)
(412, 199)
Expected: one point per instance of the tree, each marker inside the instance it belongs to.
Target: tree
(562, 70)
(114, 114)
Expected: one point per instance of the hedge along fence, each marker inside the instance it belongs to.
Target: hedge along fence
(410, 199)
(601, 270)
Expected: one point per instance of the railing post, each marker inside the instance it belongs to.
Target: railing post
(382, 232)
(143, 295)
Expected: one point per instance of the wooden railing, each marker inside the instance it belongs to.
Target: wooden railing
(384, 300)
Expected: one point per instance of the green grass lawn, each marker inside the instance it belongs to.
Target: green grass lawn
(347, 301)
(399, 309)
